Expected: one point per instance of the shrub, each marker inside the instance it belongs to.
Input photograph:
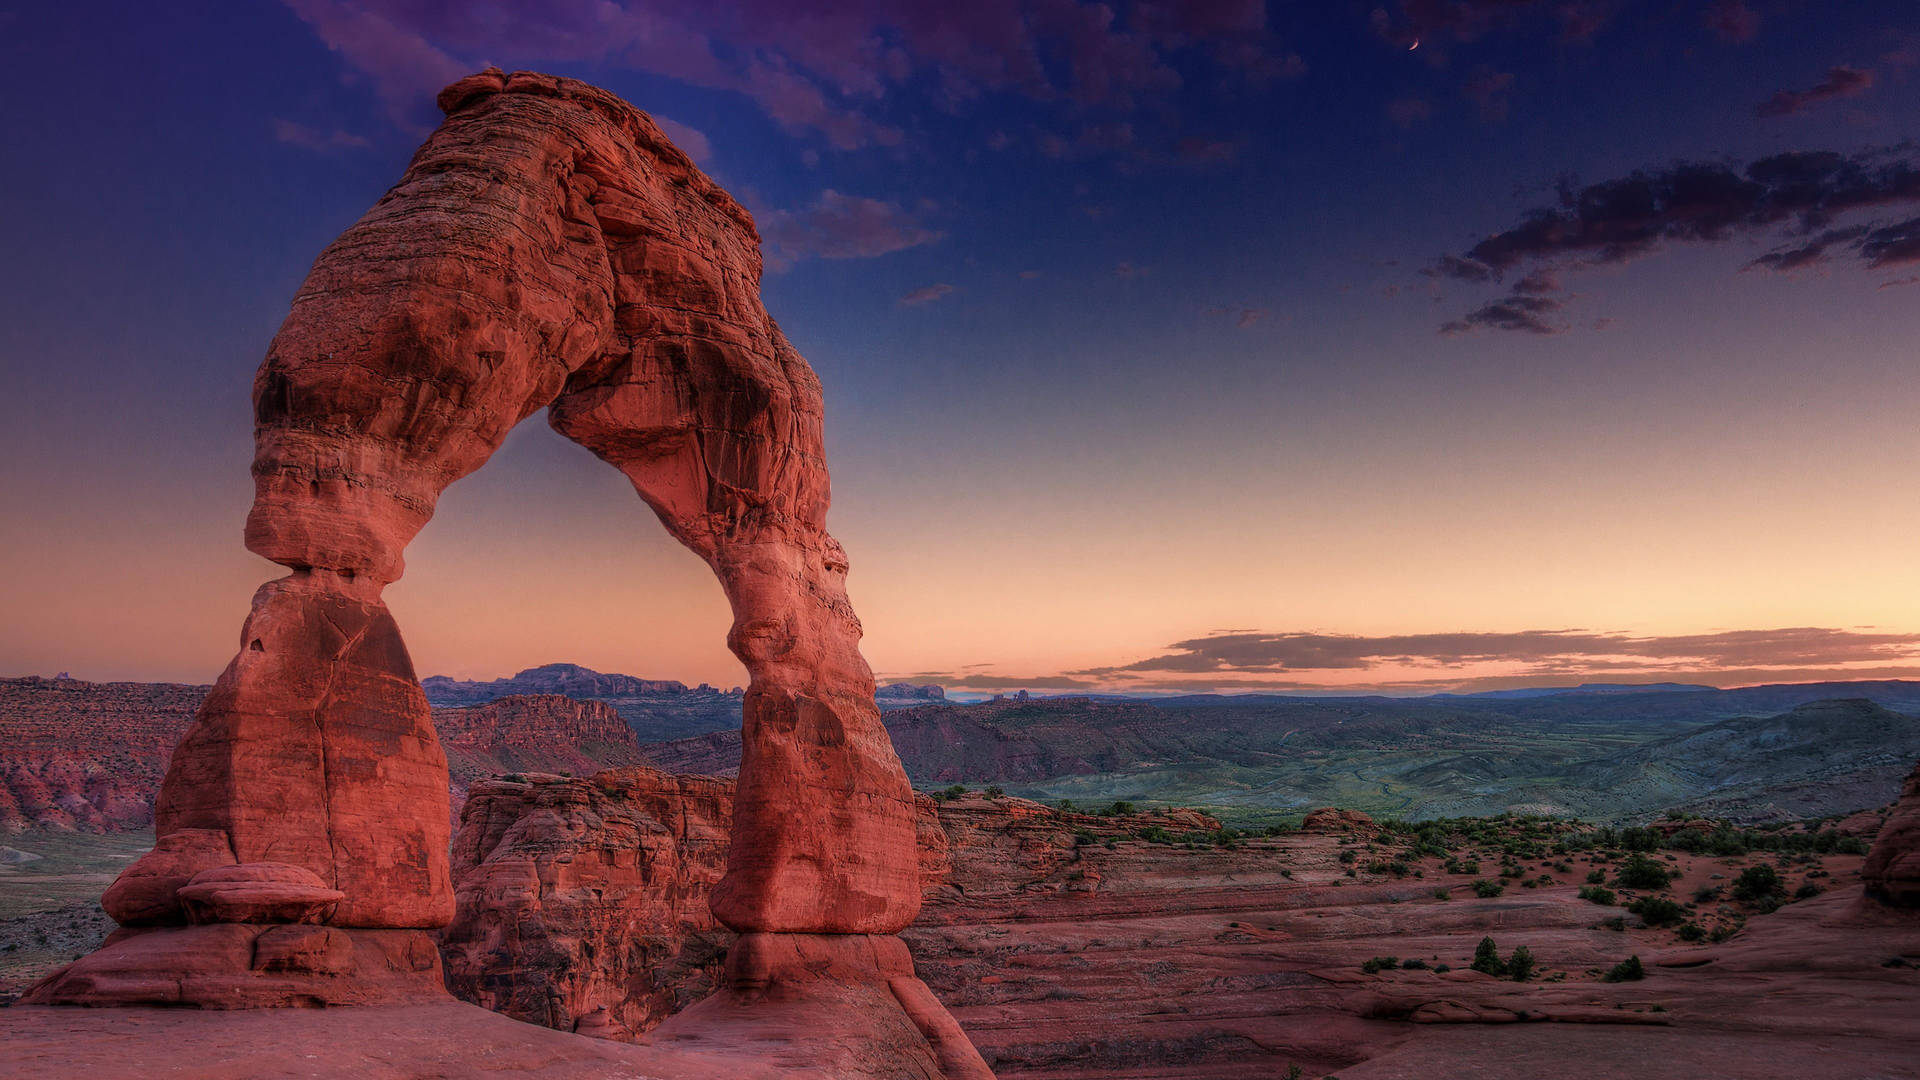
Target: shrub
(1520, 966)
(1599, 894)
(1487, 889)
(1442, 894)
(1413, 964)
(1807, 891)
(1156, 835)
(1348, 856)
(956, 791)
(1757, 883)
(1486, 959)
(994, 791)
(1379, 964)
(1628, 970)
(1657, 910)
(1119, 809)
(1706, 894)
(1596, 877)
(1640, 872)
(1463, 866)
(1083, 837)
(1065, 806)
(1692, 931)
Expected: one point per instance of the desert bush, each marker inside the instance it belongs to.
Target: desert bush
(1442, 894)
(1692, 931)
(994, 791)
(1757, 883)
(1657, 910)
(1807, 891)
(1486, 959)
(1599, 894)
(1120, 808)
(1628, 970)
(1413, 964)
(1520, 965)
(1640, 872)
(1487, 889)
(1596, 877)
(1379, 964)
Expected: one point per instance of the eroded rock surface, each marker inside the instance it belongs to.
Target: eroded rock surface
(1892, 870)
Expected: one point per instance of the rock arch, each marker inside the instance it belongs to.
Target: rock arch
(547, 248)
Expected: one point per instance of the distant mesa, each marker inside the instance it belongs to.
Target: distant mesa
(895, 695)
(570, 680)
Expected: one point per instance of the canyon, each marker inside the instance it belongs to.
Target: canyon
(1161, 945)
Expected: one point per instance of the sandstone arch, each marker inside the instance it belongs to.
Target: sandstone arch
(547, 248)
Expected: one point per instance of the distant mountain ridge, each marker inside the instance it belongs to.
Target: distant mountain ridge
(570, 680)
(655, 709)
(1426, 757)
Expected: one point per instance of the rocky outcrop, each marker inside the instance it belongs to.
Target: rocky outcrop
(569, 680)
(1892, 869)
(542, 733)
(548, 248)
(581, 900)
(89, 757)
(900, 694)
(585, 894)
(86, 756)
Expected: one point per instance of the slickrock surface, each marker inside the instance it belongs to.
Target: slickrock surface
(587, 893)
(1068, 947)
(1892, 871)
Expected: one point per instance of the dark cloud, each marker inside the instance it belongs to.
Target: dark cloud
(1892, 245)
(1515, 312)
(1797, 195)
(1548, 651)
(1733, 20)
(926, 295)
(823, 68)
(1841, 82)
(841, 226)
(1811, 252)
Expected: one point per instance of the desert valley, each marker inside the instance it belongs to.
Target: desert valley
(1146, 939)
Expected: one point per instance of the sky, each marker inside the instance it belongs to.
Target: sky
(1433, 344)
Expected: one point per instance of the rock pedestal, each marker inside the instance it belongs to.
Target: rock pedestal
(548, 248)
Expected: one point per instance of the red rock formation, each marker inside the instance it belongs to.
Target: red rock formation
(1892, 869)
(549, 248)
(591, 893)
(90, 756)
(86, 756)
(1332, 819)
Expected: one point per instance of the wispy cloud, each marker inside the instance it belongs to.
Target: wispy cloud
(926, 294)
(1560, 650)
(839, 226)
(830, 71)
(308, 138)
(1841, 82)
